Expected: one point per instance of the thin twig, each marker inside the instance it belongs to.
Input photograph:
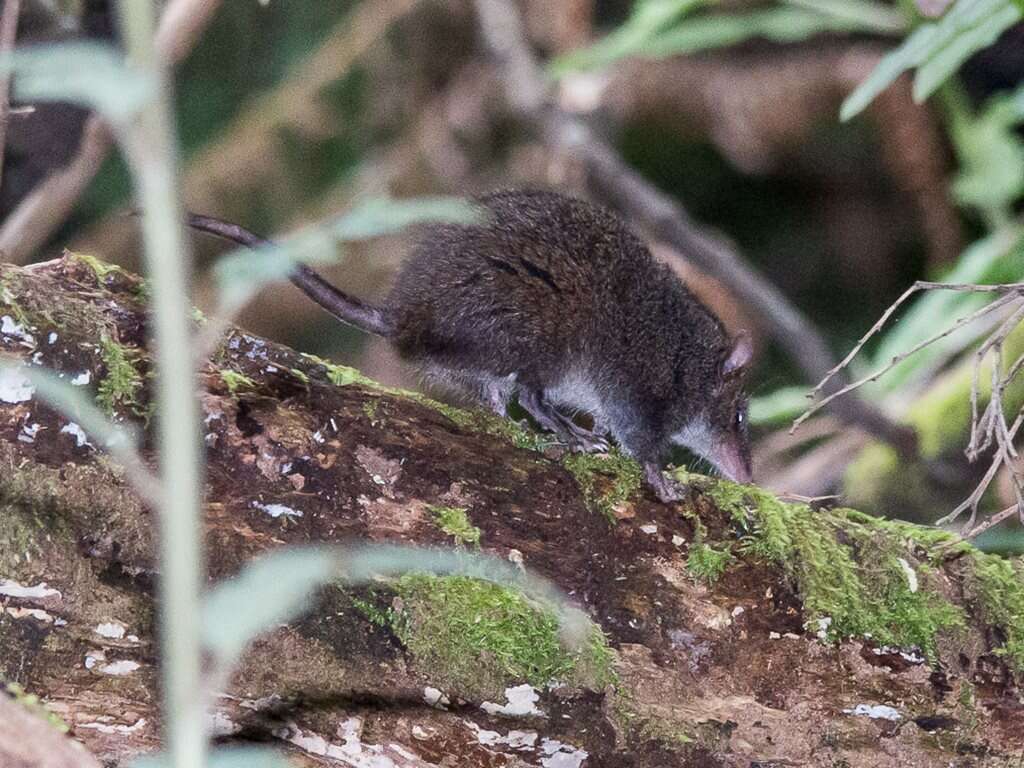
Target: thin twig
(8, 34)
(618, 185)
(920, 285)
(43, 211)
(897, 359)
(995, 520)
(972, 501)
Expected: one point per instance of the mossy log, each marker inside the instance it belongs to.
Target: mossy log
(737, 630)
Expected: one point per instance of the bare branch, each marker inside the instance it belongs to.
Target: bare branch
(8, 34)
(972, 501)
(897, 359)
(42, 212)
(920, 285)
(995, 520)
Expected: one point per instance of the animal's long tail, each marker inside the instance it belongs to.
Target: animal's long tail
(346, 308)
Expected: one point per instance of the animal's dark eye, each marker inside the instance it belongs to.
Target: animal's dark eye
(740, 418)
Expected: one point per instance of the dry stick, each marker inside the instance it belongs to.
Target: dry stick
(995, 520)
(972, 501)
(8, 34)
(993, 418)
(920, 285)
(42, 212)
(897, 359)
(623, 188)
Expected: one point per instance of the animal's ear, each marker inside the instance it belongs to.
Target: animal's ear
(740, 355)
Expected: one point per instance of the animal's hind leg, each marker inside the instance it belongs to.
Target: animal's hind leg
(491, 391)
(548, 417)
(496, 393)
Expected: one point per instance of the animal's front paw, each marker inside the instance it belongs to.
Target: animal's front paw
(666, 489)
(589, 442)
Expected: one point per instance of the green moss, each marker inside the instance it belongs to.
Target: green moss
(7, 294)
(122, 384)
(998, 584)
(455, 522)
(32, 703)
(706, 563)
(23, 533)
(870, 595)
(343, 375)
(473, 419)
(370, 408)
(375, 614)
(606, 480)
(300, 375)
(641, 726)
(479, 638)
(98, 266)
(234, 380)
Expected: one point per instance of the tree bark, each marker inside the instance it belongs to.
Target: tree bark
(712, 609)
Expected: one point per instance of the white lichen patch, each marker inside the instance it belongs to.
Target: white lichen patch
(875, 712)
(383, 471)
(121, 668)
(220, 724)
(81, 439)
(514, 739)
(30, 613)
(352, 751)
(434, 697)
(105, 725)
(912, 656)
(28, 432)
(15, 386)
(40, 591)
(521, 702)
(910, 573)
(94, 657)
(52, 338)
(561, 755)
(14, 330)
(82, 379)
(278, 510)
(113, 630)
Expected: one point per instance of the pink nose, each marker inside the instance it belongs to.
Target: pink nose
(730, 462)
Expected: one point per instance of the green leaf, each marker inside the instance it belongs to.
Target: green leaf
(384, 216)
(969, 40)
(893, 64)
(90, 74)
(649, 17)
(227, 757)
(243, 273)
(782, 405)
(991, 175)
(936, 49)
(269, 591)
(869, 16)
(246, 271)
(783, 25)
